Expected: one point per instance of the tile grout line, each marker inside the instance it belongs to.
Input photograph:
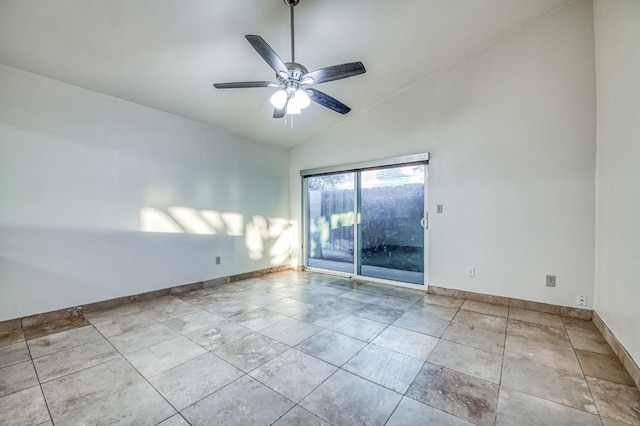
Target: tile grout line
(33, 364)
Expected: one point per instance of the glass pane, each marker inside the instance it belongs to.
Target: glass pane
(392, 237)
(330, 218)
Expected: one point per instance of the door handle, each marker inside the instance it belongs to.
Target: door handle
(425, 221)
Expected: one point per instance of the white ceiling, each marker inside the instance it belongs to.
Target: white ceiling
(166, 54)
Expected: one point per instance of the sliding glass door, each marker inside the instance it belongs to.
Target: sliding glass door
(330, 219)
(370, 223)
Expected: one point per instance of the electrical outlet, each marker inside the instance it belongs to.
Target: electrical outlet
(217, 260)
(581, 300)
(471, 272)
(551, 280)
(439, 208)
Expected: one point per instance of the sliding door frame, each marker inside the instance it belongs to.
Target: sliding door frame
(405, 160)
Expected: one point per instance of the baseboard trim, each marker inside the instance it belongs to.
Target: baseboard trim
(78, 311)
(617, 347)
(585, 314)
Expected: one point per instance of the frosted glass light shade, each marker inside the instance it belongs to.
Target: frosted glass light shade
(301, 99)
(292, 108)
(278, 99)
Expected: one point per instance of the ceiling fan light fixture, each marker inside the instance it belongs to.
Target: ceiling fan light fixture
(300, 99)
(293, 78)
(293, 109)
(278, 99)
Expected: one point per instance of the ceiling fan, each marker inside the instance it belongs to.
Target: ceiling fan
(293, 79)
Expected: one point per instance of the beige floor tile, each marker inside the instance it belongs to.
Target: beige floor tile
(589, 341)
(53, 327)
(244, 402)
(24, 408)
(408, 342)
(136, 404)
(123, 324)
(17, 377)
(11, 337)
(185, 324)
(332, 347)
(413, 320)
(409, 412)
(606, 367)
(437, 311)
(517, 408)
(359, 328)
(176, 420)
(288, 306)
(299, 416)
(14, 354)
(538, 332)
(436, 299)
(112, 314)
(162, 356)
(466, 397)
(251, 351)
(616, 401)
(290, 331)
(536, 317)
(611, 422)
(167, 307)
(78, 389)
(219, 334)
(320, 316)
(143, 337)
(293, 374)
(69, 361)
(355, 295)
(194, 380)
(64, 340)
(561, 386)
(578, 324)
(485, 308)
(385, 367)
(468, 360)
(543, 353)
(379, 313)
(400, 303)
(480, 338)
(347, 399)
(477, 320)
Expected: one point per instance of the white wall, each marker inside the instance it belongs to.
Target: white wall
(79, 171)
(617, 31)
(511, 132)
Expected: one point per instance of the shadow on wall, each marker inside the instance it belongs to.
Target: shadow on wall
(275, 233)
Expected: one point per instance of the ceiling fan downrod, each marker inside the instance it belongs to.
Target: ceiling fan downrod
(292, 4)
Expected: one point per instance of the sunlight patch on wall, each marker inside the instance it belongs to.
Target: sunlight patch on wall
(274, 236)
(234, 223)
(253, 240)
(154, 220)
(191, 220)
(214, 219)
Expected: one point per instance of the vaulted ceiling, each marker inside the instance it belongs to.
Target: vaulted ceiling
(166, 54)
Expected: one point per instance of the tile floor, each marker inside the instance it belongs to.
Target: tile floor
(298, 348)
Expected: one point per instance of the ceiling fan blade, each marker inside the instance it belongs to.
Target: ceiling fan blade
(280, 112)
(246, 84)
(335, 72)
(328, 101)
(268, 54)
